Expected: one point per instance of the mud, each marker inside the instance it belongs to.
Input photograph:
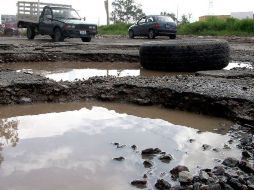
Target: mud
(102, 49)
(227, 94)
(229, 98)
(222, 93)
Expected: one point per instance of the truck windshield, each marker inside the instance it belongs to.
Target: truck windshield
(63, 13)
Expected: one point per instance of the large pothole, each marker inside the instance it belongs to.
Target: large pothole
(70, 145)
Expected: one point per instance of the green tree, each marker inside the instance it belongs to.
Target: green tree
(126, 11)
(171, 15)
(185, 19)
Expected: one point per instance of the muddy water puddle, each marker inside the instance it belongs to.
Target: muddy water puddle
(71, 71)
(233, 65)
(69, 146)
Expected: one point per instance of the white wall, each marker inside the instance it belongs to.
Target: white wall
(242, 15)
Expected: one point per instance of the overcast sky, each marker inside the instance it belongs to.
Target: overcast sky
(94, 10)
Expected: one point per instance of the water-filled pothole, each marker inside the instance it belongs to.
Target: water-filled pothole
(68, 146)
(71, 71)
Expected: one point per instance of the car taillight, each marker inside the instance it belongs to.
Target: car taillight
(157, 25)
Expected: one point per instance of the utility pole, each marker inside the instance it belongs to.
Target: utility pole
(210, 7)
(177, 10)
(107, 10)
(38, 8)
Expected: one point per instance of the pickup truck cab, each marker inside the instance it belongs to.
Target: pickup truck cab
(59, 22)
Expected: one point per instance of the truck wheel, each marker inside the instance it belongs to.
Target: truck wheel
(86, 39)
(30, 33)
(185, 55)
(58, 36)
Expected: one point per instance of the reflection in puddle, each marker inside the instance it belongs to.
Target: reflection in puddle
(84, 70)
(71, 149)
(88, 73)
(70, 71)
(233, 65)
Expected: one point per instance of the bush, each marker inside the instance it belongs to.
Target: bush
(114, 29)
(216, 26)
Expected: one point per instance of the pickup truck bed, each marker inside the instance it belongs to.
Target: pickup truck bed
(31, 11)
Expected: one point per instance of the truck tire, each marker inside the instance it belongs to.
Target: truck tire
(30, 33)
(185, 55)
(58, 36)
(86, 39)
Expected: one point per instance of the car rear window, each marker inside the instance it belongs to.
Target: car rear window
(164, 19)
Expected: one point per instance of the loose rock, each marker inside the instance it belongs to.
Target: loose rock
(206, 147)
(134, 147)
(219, 171)
(166, 158)
(161, 184)
(151, 151)
(246, 154)
(175, 171)
(139, 183)
(185, 178)
(246, 167)
(147, 164)
(119, 158)
(230, 162)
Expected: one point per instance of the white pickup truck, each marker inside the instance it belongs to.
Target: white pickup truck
(56, 20)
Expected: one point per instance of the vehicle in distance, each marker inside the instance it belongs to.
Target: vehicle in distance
(152, 26)
(56, 20)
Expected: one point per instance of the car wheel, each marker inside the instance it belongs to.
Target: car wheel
(151, 34)
(58, 36)
(86, 39)
(185, 55)
(131, 34)
(30, 33)
(172, 36)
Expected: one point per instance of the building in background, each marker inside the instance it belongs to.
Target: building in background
(205, 17)
(8, 19)
(243, 15)
(237, 15)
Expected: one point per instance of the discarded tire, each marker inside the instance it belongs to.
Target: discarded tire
(185, 55)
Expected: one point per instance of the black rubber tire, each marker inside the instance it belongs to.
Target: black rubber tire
(58, 36)
(131, 34)
(30, 33)
(151, 34)
(172, 36)
(185, 55)
(86, 39)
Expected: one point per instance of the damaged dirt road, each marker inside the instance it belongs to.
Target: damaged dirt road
(225, 93)
(100, 49)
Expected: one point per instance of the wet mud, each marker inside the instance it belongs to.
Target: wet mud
(211, 95)
(226, 93)
(100, 50)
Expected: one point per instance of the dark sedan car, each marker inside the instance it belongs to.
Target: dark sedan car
(152, 26)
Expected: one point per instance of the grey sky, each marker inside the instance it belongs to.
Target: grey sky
(95, 12)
